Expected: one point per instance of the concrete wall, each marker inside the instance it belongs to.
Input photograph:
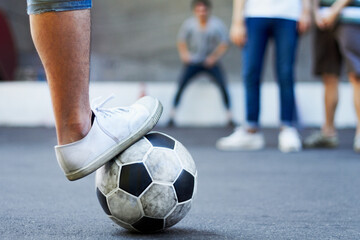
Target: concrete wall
(29, 104)
(134, 41)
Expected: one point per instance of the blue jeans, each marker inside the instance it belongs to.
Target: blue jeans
(41, 6)
(285, 36)
(192, 70)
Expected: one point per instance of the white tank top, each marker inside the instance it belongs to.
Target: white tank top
(287, 9)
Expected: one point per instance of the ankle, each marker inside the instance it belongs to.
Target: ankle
(283, 127)
(328, 131)
(252, 130)
(73, 131)
(357, 133)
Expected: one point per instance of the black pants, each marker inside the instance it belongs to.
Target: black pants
(216, 73)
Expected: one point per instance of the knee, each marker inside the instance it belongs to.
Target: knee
(42, 6)
(330, 80)
(251, 82)
(285, 77)
(285, 71)
(354, 79)
(251, 76)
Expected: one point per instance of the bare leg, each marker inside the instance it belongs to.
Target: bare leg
(62, 40)
(356, 88)
(331, 97)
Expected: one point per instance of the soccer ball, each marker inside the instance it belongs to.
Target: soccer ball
(150, 186)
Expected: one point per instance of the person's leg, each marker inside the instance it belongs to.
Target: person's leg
(188, 73)
(285, 36)
(355, 81)
(327, 137)
(253, 58)
(330, 101)
(61, 33)
(327, 64)
(349, 41)
(218, 76)
(249, 137)
(62, 40)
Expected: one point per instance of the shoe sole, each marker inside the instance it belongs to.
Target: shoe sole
(290, 149)
(326, 145)
(243, 148)
(121, 146)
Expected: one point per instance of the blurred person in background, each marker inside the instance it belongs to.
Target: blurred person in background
(202, 42)
(254, 23)
(88, 136)
(337, 40)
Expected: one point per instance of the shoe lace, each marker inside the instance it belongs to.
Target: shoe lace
(107, 112)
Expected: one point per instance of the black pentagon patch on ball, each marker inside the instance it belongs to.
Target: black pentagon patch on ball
(148, 225)
(184, 186)
(160, 140)
(103, 202)
(134, 178)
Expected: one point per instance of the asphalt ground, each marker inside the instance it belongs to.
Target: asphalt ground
(313, 194)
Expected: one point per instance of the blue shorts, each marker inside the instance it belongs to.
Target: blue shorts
(41, 6)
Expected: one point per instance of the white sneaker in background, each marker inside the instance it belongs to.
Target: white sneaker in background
(357, 143)
(241, 139)
(289, 140)
(113, 130)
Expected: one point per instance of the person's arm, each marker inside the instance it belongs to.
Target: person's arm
(305, 18)
(215, 56)
(329, 17)
(238, 28)
(182, 46)
(184, 53)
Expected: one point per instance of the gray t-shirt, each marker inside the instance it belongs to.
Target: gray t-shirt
(202, 42)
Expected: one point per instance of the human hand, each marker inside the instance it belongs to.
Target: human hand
(210, 61)
(304, 23)
(327, 18)
(186, 58)
(238, 34)
(319, 20)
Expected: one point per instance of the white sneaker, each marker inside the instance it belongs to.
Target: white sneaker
(289, 140)
(357, 144)
(241, 139)
(113, 130)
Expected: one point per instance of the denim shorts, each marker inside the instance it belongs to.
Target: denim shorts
(41, 6)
